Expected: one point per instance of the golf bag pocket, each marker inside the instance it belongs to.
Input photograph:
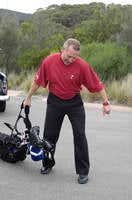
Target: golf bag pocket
(36, 153)
(11, 148)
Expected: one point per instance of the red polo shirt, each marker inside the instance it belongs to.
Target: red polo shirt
(65, 81)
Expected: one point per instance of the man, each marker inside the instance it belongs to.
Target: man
(64, 73)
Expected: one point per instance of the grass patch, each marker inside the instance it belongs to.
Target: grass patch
(120, 91)
(14, 81)
(23, 82)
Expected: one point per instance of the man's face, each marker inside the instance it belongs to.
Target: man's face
(69, 55)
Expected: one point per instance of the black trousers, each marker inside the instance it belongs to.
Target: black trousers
(74, 109)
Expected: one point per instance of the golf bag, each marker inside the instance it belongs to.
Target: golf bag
(16, 146)
(11, 149)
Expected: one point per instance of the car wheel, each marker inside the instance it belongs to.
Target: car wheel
(2, 106)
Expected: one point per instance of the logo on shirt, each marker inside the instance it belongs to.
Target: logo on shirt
(72, 76)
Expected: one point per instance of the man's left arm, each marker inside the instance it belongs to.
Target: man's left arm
(92, 82)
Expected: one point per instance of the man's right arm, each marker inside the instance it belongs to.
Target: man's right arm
(32, 90)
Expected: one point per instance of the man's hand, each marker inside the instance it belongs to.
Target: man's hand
(27, 101)
(106, 103)
(106, 109)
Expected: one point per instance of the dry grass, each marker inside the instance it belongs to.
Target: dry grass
(14, 80)
(121, 91)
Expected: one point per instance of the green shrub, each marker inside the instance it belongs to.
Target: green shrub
(109, 60)
(31, 58)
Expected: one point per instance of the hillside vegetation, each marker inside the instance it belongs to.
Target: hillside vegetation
(19, 16)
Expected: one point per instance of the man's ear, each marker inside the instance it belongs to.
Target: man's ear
(60, 50)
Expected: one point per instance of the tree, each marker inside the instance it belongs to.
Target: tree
(126, 34)
(27, 35)
(45, 28)
(101, 27)
(31, 58)
(8, 42)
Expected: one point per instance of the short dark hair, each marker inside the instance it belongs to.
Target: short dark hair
(72, 42)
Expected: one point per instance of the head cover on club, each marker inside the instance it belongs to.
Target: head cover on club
(36, 153)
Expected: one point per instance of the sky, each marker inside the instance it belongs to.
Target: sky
(30, 6)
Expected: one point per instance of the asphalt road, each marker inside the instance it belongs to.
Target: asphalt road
(110, 146)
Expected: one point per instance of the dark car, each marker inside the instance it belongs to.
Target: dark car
(3, 91)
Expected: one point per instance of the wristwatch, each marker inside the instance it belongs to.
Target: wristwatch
(106, 102)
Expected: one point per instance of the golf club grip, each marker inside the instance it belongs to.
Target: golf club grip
(22, 105)
(27, 109)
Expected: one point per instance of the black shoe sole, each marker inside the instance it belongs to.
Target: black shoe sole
(46, 171)
(83, 180)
